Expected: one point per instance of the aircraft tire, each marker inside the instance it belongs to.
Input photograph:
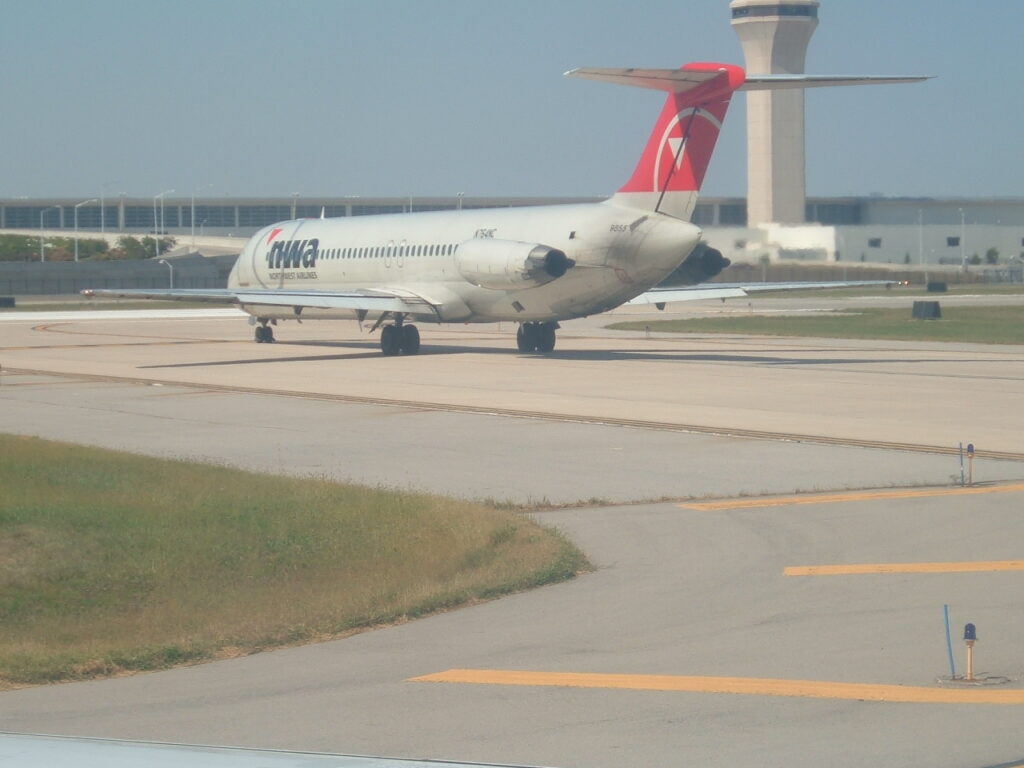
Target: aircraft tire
(521, 339)
(410, 340)
(260, 334)
(545, 335)
(390, 340)
(527, 337)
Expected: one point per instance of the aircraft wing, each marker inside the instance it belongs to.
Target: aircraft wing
(738, 290)
(215, 295)
(369, 300)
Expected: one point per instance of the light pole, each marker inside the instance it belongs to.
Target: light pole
(167, 264)
(77, 206)
(156, 222)
(295, 203)
(103, 210)
(163, 221)
(963, 247)
(192, 217)
(42, 247)
(102, 205)
(920, 242)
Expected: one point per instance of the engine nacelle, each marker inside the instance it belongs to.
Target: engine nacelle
(509, 264)
(703, 263)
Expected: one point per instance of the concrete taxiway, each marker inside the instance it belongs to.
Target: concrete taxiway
(710, 634)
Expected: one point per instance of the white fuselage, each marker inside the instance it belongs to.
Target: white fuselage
(618, 253)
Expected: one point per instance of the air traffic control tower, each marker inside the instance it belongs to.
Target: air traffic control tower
(774, 37)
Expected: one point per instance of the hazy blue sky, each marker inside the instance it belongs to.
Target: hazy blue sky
(380, 97)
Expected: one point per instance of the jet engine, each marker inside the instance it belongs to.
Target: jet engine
(703, 263)
(509, 264)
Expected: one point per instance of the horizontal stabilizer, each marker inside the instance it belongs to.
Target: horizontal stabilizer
(670, 80)
(682, 80)
(787, 82)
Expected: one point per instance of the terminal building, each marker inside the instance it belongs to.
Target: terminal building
(877, 230)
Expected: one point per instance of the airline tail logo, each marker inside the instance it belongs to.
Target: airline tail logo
(673, 164)
(680, 147)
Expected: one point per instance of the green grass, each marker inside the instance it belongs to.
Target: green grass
(984, 325)
(112, 562)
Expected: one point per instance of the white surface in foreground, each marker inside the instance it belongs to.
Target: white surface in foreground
(32, 751)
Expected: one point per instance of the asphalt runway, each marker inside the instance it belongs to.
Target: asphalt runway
(695, 638)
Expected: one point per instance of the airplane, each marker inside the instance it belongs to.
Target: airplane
(533, 265)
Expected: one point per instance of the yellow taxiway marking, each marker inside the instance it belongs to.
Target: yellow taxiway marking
(832, 498)
(815, 689)
(858, 569)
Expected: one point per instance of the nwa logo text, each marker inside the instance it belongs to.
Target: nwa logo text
(292, 254)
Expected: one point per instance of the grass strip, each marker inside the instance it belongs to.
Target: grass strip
(111, 562)
(983, 325)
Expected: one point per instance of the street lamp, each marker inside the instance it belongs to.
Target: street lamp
(42, 248)
(163, 221)
(192, 218)
(103, 209)
(963, 248)
(920, 242)
(157, 226)
(167, 264)
(77, 206)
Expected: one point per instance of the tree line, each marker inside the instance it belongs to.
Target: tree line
(26, 248)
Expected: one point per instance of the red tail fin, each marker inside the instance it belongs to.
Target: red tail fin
(672, 167)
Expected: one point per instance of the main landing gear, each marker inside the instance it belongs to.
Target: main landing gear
(399, 339)
(536, 337)
(264, 333)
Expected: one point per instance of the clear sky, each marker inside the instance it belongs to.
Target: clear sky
(389, 97)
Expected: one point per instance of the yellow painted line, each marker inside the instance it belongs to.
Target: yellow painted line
(858, 569)
(832, 498)
(753, 686)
